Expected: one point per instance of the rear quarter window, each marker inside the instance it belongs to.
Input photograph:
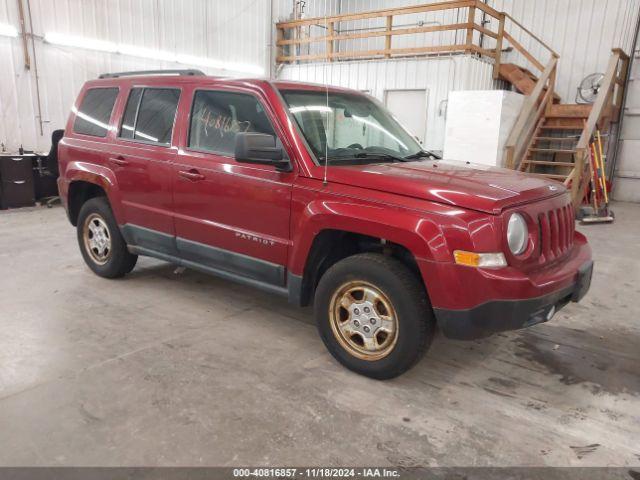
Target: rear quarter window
(92, 118)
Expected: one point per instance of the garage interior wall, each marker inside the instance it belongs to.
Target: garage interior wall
(237, 32)
(582, 31)
(627, 181)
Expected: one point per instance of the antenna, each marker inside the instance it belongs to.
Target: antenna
(326, 88)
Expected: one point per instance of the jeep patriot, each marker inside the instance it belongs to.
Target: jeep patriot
(319, 195)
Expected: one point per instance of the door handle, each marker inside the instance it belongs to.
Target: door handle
(119, 160)
(193, 175)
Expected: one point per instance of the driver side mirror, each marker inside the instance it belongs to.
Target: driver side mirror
(260, 148)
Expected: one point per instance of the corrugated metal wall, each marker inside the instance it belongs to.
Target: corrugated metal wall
(438, 76)
(627, 182)
(582, 31)
(235, 31)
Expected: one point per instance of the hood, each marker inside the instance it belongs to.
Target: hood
(466, 185)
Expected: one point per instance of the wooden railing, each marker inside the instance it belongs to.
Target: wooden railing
(531, 116)
(606, 109)
(341, 35)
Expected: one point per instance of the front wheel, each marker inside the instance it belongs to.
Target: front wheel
(101, 243)
(373, 315)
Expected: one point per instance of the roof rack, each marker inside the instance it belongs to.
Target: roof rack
(185, 72)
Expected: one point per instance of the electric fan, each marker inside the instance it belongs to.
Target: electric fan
(589, 88)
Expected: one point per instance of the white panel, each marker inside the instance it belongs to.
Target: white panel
(478, 123)
(626, 189)
(631, 128)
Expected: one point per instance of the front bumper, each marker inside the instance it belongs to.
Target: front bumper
(501, 315)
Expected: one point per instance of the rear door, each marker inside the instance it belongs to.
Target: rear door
(141, 159)
(230, 216)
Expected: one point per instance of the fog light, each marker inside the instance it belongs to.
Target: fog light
(551, 313)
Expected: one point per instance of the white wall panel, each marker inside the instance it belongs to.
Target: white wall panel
(627, 182)
(237, 31)
(437, 75)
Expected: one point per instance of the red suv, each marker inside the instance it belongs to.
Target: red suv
(316, 194)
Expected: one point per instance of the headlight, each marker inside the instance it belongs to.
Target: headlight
(517, 234)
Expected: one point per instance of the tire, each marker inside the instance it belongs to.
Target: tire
(108, 257)
(391, 290)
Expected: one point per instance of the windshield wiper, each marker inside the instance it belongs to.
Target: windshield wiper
(422, 154)
(364, 156)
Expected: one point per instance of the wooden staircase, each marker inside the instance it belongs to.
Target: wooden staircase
(551, 139)
(553, 147)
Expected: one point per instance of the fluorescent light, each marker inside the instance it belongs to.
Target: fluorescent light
(148, 53)
(219, 64)
(8, 30)
(142, 52)
(80, 42)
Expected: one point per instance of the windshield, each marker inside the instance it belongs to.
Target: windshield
(350, 127)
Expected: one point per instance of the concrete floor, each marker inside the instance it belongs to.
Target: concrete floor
(184, 369)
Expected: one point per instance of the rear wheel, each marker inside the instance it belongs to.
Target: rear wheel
(101, 243)
(373, 315)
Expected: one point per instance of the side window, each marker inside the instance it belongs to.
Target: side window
(92, 118)
(217, 116)
(150, 114)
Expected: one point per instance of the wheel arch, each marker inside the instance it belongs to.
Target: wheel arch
(336, 231)
(86, 183)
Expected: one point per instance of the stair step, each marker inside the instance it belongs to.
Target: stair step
(548, 163)
(551, 150)
(558, 139)
(560, 127)
(569, 110)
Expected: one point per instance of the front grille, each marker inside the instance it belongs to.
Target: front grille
(556, 228)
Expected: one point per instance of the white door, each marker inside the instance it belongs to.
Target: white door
(410, 108)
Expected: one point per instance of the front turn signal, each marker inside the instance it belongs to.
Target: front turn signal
(481, 260)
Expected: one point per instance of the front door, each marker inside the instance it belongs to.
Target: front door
(229, 216)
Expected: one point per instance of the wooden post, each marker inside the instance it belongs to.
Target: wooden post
(510, 161)
(624, 71)
(471, 19)
(576, 181)
(23, 34)
(387, 38)
(280, 49)
(551, 89)
(496, 65)
(330, 31)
